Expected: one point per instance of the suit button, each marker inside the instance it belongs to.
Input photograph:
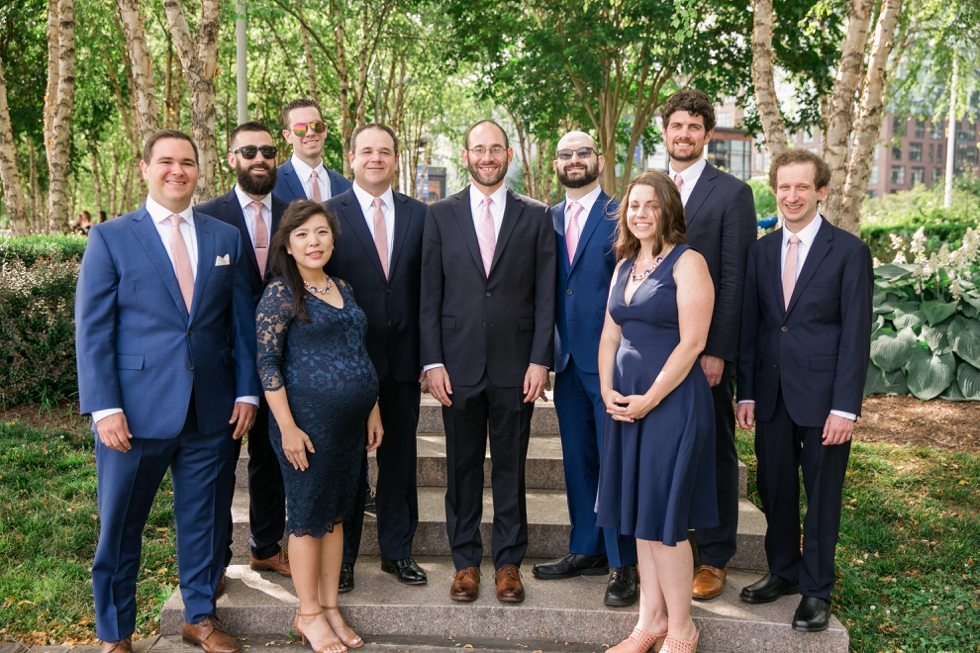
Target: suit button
(190, 332)
(389, 322)
(487, 293)
(776, 365)
(569, 291)
(389, 291)
(190, 367)
(784, 329)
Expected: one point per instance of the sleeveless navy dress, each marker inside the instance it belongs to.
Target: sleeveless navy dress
(657, 477)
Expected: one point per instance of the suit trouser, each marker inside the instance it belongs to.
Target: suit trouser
(716, 545)
(202, 468)
(397, 498)
(782, 448)
(466, 421)
(579, 405)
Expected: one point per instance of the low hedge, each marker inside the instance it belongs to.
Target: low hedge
(31, 249)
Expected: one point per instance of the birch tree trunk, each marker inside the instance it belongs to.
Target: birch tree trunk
(310, 65)
(96, 177)
(59, 143)
(37, 212)
(346, 119)
(20, 222)
(141, 65)
(773, 127)
(840, 115)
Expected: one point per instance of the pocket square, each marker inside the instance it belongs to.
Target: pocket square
(222, 260)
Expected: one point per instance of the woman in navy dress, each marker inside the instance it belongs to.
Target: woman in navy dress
(657, 477)
(322, 391)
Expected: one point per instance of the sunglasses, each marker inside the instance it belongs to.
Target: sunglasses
(249, 151)
(316, 126)
(582, 153)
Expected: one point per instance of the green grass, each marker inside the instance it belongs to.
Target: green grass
(908, 557)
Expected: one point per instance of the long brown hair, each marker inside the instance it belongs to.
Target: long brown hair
(282, 264)
(671, 227)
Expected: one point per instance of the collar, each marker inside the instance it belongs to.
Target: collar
(160, 213)
(587, 202)
(498, 196)
(807, 234)
(692, 173)
(366, 199)
(303, 170)
(244, 200)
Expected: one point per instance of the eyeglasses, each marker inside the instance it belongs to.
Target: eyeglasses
(479, 150)
(582, 153)
(249, 151)
(316, 126)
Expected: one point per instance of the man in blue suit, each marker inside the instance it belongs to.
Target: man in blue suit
(251, 208)
(304, 177)
(165, 344)
(585, 231)
(805, 345)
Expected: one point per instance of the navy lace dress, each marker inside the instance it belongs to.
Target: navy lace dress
(331, 386)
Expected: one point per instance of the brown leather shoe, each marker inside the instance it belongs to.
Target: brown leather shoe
(709, 582)
(221, 586)
(209, 635)
(278, 562)
(509, 585)
(466, 585)
(124, 645)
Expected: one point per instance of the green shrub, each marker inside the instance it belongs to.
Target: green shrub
(765, 201)
(31, 249)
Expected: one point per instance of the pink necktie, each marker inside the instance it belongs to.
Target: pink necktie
(679, 181)
(261, 238)
(314, 188)
(572, 230)
(789, 269)
(182, 262)
(381, 234)
(486, 236)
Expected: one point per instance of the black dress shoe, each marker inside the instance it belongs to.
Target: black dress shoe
(767, 590)
(346, 583)
(406, 569)
(812, 615)
(624, 587)
(570, 566)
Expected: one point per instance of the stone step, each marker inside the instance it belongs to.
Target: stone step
(544, 421)
(570, 610)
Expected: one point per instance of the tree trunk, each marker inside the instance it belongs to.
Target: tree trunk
(840, 117)
(142, 67)
(773, 127)
(51, 92)
(869, 116)
(343, 82)
(20, 222)
(37, 214)
(310, 65)
(59, 144)
(96, 179)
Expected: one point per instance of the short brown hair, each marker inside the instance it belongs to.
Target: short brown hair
(821, 178)
(248, 127)
(466, 143)
(373, 125)
(671, 226)
(163, 134)
(302, 103)
(693, 101)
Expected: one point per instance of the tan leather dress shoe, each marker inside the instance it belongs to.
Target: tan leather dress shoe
(509, 585)
(278, 562)
(466, 585)
(125, 645)
(209, 635)
(709, 582)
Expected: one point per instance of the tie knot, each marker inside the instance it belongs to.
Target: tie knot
(175, 220)
(678, 180)
(574, 209)
(378, 203)
(313, 174)
(488, 202)
(257, 207)
(794, 240)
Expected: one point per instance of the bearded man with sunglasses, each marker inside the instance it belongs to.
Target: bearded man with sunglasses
(304, 177)
(255, 211)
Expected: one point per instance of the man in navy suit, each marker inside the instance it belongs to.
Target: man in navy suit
(304, 177)
(379, 252)
(720, 215)
(805, 345)
(251, 208)
(585, 231)
(165, 343)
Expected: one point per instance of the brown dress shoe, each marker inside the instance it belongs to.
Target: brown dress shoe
(466, 585)
(209, 635)
(709, 582)
(124, 645)
(278, 562)
(509, 585)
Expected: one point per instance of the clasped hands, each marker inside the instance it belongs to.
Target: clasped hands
(627, 408)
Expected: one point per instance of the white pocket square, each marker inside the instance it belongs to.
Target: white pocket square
(222, 260)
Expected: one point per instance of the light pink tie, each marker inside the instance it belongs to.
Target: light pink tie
(572, 230)
(486, 236)
(679, 181)
(261, 238)
(789, 268)
(381, 234)
(315, 188)
(182, 262)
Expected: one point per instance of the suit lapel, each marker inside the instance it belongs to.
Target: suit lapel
(706, 184)
(774, 255)
(818, 251)
(591, 222)
(146, 232)
(464, 217)
(512, 212)
(558, 219)
(402, 216)
(354, 219)
(205, 260)
(292, 180)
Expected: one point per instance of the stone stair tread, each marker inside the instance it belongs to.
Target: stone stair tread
(569, 610)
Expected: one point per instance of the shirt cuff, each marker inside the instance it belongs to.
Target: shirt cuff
(247, 400)
(840, 413)
(431, 366)
(540, 365)
(746, 401)
(99, 415)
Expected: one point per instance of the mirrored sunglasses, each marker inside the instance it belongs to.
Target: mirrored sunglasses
(316, 126)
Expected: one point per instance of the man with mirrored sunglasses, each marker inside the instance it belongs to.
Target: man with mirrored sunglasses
(304, 176)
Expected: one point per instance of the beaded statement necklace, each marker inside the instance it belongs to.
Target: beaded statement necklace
(318, 291)
(636, 278)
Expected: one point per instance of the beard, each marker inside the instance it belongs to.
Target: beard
(491, 179)
(693, 156)
(256, 185)
(590, 174)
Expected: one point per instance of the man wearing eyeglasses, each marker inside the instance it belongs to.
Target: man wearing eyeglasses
(251, 207)
(585, 229)
(304, 177)
(487, 322)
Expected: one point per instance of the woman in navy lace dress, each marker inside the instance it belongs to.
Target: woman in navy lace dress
(322, 391)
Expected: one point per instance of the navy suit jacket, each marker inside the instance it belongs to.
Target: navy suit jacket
(227, 209)
(136, 346)
(817, 350)
(582, 288)
(720, 215)
(500, 324)
(289, 187)
(392, 304)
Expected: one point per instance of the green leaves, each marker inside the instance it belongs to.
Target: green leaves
(881, 382)
(937, 311)
(890, 350)
(908, 314)
(929, 374)
(968, 379)
(964, 335)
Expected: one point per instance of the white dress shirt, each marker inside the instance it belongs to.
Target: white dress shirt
(587, 203)
(499, 198)
(366, 200)
(689, 177)
(249, 213)
(304, 171)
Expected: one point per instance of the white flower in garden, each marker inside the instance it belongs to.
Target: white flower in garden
(899, 259)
